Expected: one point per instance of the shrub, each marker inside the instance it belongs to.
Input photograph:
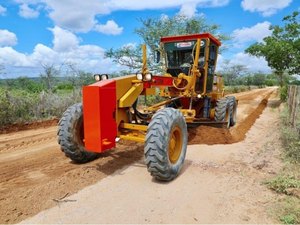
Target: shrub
(16, 106)
(283, 93)
(19, 106)
(238, 88)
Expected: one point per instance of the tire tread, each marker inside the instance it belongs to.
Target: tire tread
(67, 136)
(156, 155)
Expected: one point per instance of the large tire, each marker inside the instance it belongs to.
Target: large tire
(233, 109)
(222, 111)
(70, 135)
(166, 143)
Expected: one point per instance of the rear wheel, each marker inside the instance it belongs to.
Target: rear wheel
(233, 109)
(222, 111)
(70, 135)
(166, 143)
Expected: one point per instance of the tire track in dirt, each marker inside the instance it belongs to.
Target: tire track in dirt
(8, 146)
(32, 177)
(28, 126)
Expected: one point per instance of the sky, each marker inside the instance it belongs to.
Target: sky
(35, 33)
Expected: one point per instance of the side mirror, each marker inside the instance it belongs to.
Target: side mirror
(157, 56)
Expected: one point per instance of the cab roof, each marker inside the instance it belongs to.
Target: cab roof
(190, 37)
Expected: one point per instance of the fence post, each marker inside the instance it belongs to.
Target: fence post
(293, 104)
(297, 113)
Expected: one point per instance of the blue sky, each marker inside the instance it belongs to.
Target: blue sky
(54, 32)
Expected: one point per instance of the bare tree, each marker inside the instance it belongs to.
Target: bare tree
(49, 75)
(232, 71)
(76, 76)
(129, 56)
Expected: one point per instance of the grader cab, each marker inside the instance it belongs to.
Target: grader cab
(192, 94)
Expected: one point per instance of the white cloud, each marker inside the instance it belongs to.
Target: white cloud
(254, 33)
(9, 56)
(265, 7)
(7, 38)
(27, 12)
(66, 49)
(252, 63)
(2, 10)
(76, 15)
(64, 40)
(109, 28)
(43, 55)
(188, 10)
(80, 16)
(158, 4)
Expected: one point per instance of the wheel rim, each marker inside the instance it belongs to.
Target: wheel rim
(175, 144)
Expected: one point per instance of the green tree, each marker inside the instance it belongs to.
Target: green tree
(28, 84)
(246, 80)
(282, 49)
(231, 73)
(152, 30)
(271, 80)
(259, 79)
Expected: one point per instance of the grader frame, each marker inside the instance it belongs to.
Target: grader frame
(193, 95)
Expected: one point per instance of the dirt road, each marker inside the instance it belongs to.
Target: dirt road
(220, 182)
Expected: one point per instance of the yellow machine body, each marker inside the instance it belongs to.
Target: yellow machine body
(189, 87)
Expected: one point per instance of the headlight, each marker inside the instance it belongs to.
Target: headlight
(97, 77)
(139, 76)
(148, 77)
(104, 77)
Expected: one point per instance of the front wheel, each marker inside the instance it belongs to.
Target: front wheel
(166, 144)
(70, 135)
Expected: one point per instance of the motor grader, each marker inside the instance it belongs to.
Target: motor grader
(192, 94)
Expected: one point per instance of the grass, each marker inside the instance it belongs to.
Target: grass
(287, 208)
(282, 183)
(290, 138)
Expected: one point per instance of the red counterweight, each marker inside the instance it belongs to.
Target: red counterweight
(99, 116)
